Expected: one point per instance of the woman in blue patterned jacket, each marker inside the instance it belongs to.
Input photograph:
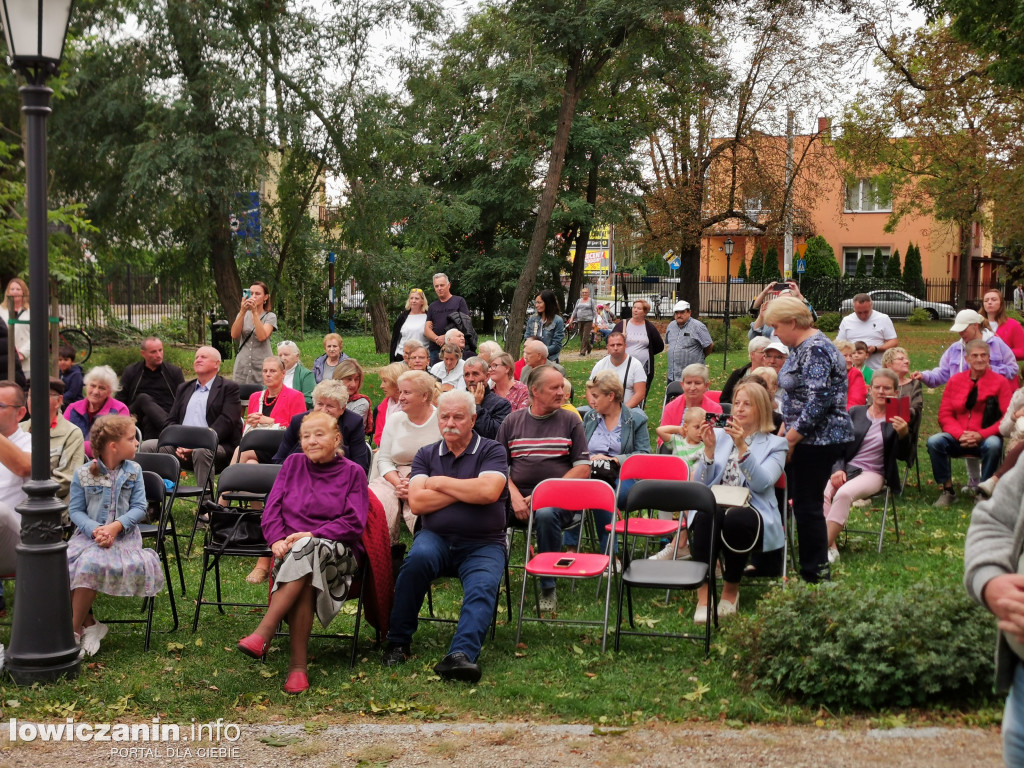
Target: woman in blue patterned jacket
(818, 428)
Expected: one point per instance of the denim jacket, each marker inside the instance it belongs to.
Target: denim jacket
(90, 497)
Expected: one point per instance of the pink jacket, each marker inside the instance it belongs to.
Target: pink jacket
(1011, 332)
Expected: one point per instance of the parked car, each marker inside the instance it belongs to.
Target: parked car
(898, 304)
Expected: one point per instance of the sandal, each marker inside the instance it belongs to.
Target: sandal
(257, 575)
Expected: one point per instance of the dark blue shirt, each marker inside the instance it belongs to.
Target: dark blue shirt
(461, 522)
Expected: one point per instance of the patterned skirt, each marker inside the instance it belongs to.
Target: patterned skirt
(330, 563)
(124, 569)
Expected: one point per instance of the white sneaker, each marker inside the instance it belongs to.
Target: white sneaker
(862, 503)
(987, 487)
(700, 616)
(666, 553)
(91, 637)
(725, 608)
(833, 555)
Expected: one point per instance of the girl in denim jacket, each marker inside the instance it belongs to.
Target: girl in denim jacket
(108, 501)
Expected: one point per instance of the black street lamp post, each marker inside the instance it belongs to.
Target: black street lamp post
(728, 284)
(42, 642)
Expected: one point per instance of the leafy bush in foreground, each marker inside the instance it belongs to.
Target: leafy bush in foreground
(846, 648)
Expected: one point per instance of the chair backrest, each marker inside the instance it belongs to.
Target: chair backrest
(156, 491)
(670, 496)
(573, 494)
(672, 391)
(268, 440)
(249, 478)
(245, 391)
(164, 464)
(644, 466)
(188, 437)
(726, 408)
(714, 394)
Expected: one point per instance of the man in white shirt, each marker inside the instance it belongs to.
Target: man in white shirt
(629, 370)
(15, 468)
(873, 328)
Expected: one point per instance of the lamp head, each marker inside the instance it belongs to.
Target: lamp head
(35, 31)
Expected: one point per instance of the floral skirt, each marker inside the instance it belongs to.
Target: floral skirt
(330, 563)
(124, 569)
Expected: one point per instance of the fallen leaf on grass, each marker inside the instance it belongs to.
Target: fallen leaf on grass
(276, 740)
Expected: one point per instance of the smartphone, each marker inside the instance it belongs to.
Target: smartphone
(564, 562)
(246, 293)
(719, 420)
(781, 287)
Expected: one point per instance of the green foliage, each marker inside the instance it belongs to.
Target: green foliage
(893, 273)
(757, 266)
(861, 272)
(851, 648)
(737, 333)
(877, 266)
(829, 321)
(770, 268)
(818, 283)
(919, 316)
(913, 279)
(741, 273)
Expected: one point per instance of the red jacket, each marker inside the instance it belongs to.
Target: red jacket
(954, 417)
(856, 390)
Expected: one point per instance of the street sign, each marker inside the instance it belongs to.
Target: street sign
(675, 263)
(801, 266)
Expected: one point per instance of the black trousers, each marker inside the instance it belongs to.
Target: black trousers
(741, 527)
(150, 417)
(809, 471)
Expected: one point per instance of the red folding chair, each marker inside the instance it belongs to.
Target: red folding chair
(576, 496)
(643, 466)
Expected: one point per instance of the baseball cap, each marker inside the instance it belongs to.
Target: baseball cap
(778, 346)
(681, 306)
(964, 318)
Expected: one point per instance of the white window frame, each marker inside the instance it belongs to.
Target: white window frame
(851, 255)
(862, 197)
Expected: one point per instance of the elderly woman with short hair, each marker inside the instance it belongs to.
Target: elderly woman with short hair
(818, 428)
(897, 360)
(296, 375)
(323, 366)
(100, 387)
(500, 371)
(389, 386)
(755, 350)
(695, 381)
(405, 432)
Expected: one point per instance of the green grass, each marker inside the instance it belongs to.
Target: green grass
(556, 673)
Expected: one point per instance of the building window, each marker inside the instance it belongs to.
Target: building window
(851, 256)
(864, 196)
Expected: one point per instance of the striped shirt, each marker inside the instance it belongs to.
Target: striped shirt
(541, 447)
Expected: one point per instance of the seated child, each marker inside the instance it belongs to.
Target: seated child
(71, 374)
(108, 501)
(685, 441)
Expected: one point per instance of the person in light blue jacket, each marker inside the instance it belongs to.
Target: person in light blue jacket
(547, 325)
(108, 501)
(746, 454)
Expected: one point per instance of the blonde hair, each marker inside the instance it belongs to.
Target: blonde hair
(788, 309)
(761, 401)
(890, 354)
(694, 413)
(392, 371)
(349, 367)
(845, 347)
(106, 430)
(488, 350)
(333, 337)
(423, 383)
(24, 291)
(607, 382)
(419, 292)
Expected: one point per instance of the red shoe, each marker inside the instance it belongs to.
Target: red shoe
(297, 682)
(254, 646)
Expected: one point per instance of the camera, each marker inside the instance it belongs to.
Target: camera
(717, 420)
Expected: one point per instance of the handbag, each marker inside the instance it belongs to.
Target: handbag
(606, 470)
(731, 498)
(232, 528)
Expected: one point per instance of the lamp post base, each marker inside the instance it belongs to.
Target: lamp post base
(43, 645)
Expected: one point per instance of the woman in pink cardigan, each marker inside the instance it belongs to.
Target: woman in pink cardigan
(993, 307)
(100, 386)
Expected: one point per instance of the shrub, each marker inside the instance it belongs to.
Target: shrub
(819, 282)
(828, 322)
(737, 333)
(852, 648)
(919, 316)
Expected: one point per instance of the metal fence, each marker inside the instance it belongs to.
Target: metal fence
(620, 291)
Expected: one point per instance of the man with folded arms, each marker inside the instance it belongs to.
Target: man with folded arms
(457, 490)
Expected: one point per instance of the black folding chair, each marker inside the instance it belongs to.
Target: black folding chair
(156, 499)
(169, 468)
(193, 438)
(670, 496)
(261, 440)
(234, 530)
(245, 391)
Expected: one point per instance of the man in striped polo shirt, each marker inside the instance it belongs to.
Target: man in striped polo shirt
(544, 441)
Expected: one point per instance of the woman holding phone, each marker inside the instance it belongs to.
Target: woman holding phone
(252, 328)
(869, 462)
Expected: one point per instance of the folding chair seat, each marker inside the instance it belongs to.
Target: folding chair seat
(494, 620)
(192, 438)
(643, 466)
(671, 495)
(576, 496)
(890, 497)
(265, 441)
(240, 485)
(168, 467)
(155, 497)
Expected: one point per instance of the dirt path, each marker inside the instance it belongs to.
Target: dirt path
(501, 745)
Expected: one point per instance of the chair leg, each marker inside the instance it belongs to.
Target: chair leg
(177, 552)
(216, 580)
(192, 536)
(202, 586)
(355, 631)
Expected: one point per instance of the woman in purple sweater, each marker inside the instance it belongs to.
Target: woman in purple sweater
(314, 521)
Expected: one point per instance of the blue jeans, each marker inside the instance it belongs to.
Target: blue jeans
(571, 538)
(943, 446)
(1013, 721)
(479, 566)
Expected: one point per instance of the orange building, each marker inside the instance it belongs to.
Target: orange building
(851, 216)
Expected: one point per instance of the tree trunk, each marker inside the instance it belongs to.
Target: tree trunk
(964, 273)
(689, 275)
(524, 289)
(222, 257)
(379, 324)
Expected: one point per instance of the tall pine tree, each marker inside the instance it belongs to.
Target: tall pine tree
(770, 269)
(893, 273)
(913, 280)
(757, 266)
